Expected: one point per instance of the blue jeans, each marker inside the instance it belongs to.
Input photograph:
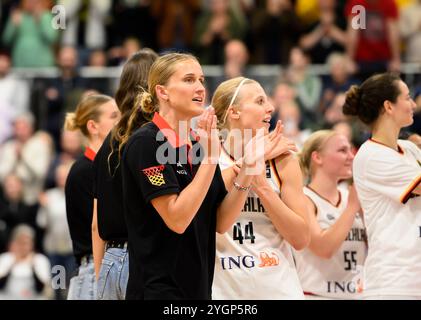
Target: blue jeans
(113, 275)
(83, 286)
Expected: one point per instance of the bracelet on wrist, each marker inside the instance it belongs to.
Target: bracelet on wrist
(239, 187)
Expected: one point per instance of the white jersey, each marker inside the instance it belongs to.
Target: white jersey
(253, 261)
(385, 179)
(339, 276)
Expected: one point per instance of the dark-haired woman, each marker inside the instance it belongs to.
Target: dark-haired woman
(109, 231)
(387, 175)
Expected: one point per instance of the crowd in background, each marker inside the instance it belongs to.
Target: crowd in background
(35, 152)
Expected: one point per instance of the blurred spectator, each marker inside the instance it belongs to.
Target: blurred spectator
(11, 104)
(70, 150)
(97, 59)
(214, 28)
(308, 87)
(236, 58)
(333, 114)
(269, 25)
(290, 115)
(339, 79)
(63, 93)
(52, 218)
(126, 15)
(119, 55)
(30, 35)
(27, 155)
(13, 211)
(175, 23)
(24, 274)
(410, 28)
(287, 110)
(377, 47)
(85, 23)
(325, 36)
(283, 93)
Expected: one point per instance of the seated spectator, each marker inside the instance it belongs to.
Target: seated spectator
(11, 104)
(52, 219)
(97, 59)
(28, 155)
(214, 27)
(339, 79)
(118, 55)
(308, 87)
(61, 94)
(283, 93)
(333, 114)
(13, 210)
(325, 36)
(30, 35)
(236, 57)
(290, 115)
(24, 274)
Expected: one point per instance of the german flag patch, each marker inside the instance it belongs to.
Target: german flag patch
(155, 176)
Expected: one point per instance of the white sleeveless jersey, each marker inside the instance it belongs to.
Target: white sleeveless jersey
(385, 179)
(340, 276)
(253, 261)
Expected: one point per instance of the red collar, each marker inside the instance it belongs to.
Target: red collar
(90, 154)
(169, 132)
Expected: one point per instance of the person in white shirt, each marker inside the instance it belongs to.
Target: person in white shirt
(387, 175)
(24, 274)
(11, 103)
(254, 258)
(28, 155)
(330, 267)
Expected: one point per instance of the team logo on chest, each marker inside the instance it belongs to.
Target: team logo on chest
(154, 175)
